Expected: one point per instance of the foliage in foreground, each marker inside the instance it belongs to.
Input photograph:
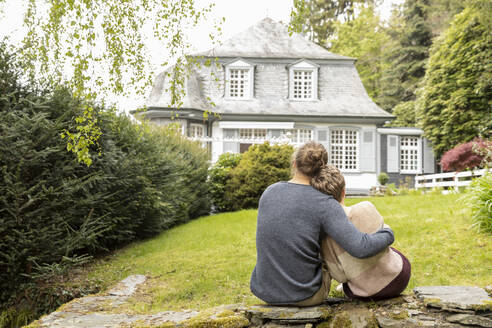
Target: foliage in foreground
(259, 167)
(55, 212)
(479, 197)
(454, 104)
(62, 41)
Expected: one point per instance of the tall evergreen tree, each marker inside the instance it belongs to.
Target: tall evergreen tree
(408, 58)
(455, 102)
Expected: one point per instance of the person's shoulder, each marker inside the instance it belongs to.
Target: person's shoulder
(276, 186)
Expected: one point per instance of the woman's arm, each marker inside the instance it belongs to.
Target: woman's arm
(335, 224)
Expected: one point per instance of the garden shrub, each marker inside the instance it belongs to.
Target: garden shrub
(56, 212)
(479, 197)
(383, 178)
(391, 189)
(259, 167)
(219, 175)
(466, 156)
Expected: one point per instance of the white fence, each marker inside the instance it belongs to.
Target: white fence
(447, 180)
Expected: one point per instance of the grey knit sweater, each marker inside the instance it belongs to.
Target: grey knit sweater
(292, 219)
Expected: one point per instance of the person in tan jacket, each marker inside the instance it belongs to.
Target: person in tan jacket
(381, 276)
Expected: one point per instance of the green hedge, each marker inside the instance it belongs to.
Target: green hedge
(259, 167)
(54, 211)
(219, 175)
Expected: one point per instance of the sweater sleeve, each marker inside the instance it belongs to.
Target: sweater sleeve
(336, 225)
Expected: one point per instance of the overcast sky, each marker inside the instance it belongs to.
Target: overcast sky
(239, 15)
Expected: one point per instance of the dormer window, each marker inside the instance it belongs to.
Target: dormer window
(303, 80)
(239, 80)
(303, 85)
(238, 83)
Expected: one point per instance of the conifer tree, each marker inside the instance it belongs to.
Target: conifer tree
(408, 58)
(455, 102)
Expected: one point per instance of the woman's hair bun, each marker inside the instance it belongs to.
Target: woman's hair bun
(310, 158)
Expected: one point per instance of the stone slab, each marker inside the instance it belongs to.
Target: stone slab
(127, 286)
(472, 320)
(455, 297)
(288, 314)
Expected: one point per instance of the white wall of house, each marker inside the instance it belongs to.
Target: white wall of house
(360, 175)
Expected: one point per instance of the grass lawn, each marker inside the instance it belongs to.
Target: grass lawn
(208, 262)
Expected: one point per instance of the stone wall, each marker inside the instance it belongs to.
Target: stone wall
(435, 306)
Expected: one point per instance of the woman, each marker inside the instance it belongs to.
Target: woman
(293, 217)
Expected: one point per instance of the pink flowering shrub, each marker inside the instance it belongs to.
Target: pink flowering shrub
(468, 155)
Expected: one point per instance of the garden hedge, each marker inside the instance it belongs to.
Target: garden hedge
(56, 212)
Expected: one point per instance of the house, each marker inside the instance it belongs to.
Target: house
(277, 86)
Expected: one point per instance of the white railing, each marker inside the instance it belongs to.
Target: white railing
(447, 180)
(272, 140)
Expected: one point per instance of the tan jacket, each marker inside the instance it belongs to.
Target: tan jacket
(365, 277)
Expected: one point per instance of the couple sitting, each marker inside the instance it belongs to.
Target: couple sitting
(306, 236)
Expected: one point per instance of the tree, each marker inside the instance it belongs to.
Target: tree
(405, 114)
(318, 18)
(363, 39)
(407, 57)
(455, 102)
(64, 44)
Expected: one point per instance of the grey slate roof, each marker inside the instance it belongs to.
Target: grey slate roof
(340, 90)
(270, 39)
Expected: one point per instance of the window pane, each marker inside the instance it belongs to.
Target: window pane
(302, 84)
(409, 154)
(238, 83)
(344, 149)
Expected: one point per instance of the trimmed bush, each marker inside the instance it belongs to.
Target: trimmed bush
(219, 175)
(383, 178)
(259, 167)
(56, 212)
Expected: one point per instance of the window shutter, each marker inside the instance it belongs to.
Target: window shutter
(231, 146)
(368, 151)
(322, 136)
(393, 154)
(276, 133)
(428, 157)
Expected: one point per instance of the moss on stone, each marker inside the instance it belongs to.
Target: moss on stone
(327, 313)
(324, 324)
(342, 320)
(372, 322)
(432, 302)
(225, 319)
(485, 306)
(400, 315)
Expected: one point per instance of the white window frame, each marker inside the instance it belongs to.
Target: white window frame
(304, 66)
(255, 135)
(344, 149)
(298, 136)
(239, 64)
(193, 127)
(413, 149)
